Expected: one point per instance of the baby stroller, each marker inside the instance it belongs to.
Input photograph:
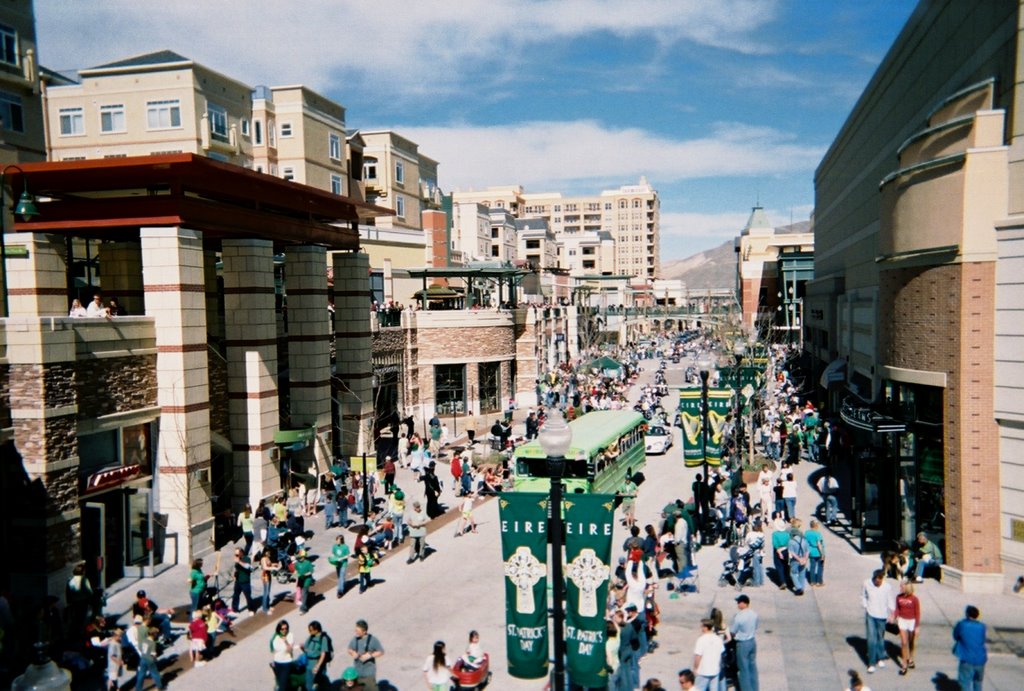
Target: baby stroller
(738, 569)
(465, 677)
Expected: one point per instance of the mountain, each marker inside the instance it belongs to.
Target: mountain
(716, 268)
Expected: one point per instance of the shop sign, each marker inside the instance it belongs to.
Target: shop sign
(112, 477)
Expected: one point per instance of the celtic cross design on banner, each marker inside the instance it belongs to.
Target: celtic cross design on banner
(587, 572)
(525, 571)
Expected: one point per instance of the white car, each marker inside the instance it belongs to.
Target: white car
(658, 439)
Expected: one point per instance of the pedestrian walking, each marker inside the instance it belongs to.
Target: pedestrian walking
(437, 670)
(365, 649)
(366, 561)
(396, 507)
(908, 621)
(339, 560)
(267, 568)
(303, 580)
(816, 570)
(319, 650)
(743, 630)
(969, 648)
(879, 603)
(282, 649)
(199, 638)
(417, 522)
(707, 656)
(799, 557)
(243, 581)
(389, 474)
(196, 584)
(828, 487)
(466, 520)
(147, 650)
(245, 523)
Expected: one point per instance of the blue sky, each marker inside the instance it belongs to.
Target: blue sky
(718, 103)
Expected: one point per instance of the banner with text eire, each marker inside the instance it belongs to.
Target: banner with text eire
(524, 549)
(589, 519)
(689, 414)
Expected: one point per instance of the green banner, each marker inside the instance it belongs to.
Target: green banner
(589, 520)
(524, 549)
(689, 414)
(719, 406)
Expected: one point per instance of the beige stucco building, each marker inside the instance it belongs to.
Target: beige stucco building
(399, 177)
(910, 199)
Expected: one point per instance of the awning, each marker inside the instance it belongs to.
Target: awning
(867, 419)
(835, 373)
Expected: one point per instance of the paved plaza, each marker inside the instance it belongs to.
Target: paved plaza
(805, 643)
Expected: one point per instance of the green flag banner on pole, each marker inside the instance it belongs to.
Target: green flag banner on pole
(689, 414)
(524, 549)
(589, 520)
(719, 406)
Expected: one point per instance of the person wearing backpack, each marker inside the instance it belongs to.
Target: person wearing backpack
(319, 649)
(339, 560)
(799, 557)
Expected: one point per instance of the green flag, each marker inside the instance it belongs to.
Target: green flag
(524, 549)
(689, 414)
(719, 406)
(589, 520)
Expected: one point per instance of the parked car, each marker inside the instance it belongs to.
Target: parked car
(658, 439)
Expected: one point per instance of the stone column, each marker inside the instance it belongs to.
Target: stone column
(172, 270)
(44, 411)
(309, 345)
(526, 357)
(250, 331)
(121, 267)
(353, 385)
(38, 281)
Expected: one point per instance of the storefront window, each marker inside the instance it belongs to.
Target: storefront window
(450, 389)
(490, 388)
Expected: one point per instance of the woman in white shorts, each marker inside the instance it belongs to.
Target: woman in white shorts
(908, 621)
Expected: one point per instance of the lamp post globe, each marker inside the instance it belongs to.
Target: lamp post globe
(555, 437)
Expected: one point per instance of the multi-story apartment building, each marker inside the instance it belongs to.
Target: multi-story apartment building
(503, 235)
(21, 113)
(158, 103)
(629, 215)
(911, 317)
(397, 176)
(590, 253)
(471, 231)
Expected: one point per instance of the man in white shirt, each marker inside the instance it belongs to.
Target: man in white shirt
(96, 308)
(878, 598)
(707, 656)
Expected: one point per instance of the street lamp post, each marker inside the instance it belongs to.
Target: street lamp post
(704, 363)
(738, 350)
(556, 438)
(26, 208)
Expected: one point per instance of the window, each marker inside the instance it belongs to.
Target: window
(607, 206)
(400, 172)
(494, 233)
(622, 203)
(72, 122)
(636, 203)
(288, 173)
(218, 122)
(271, 133)
(533, 244)
(494, 251)
(8, 45)
(11, 117)
(273, 169)
(245, 127)
(449, 389)
(400, 206)
(286, 129)
(557, 208)
(257, 130)
(112, 118)
(259, 169)
(489, 374)
(163, 115)
(336, 187)
(334, 146)
(370, 169)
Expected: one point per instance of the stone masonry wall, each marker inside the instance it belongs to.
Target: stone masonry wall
(219, 418)
(115, 385)
(5, 396)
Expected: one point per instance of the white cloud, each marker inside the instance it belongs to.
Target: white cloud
(581, 153)
(723, 225)
(400, 48)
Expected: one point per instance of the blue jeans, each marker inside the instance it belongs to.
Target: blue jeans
(756, 570)
(266, 596)
(780, 568)
(195, 599)
(364, 581)
(746, 663)
(304, 607)
(876, 641)
(329, 514)
(703, 683)
(339, 569)
(318, 679)
(798, 574)
(790, 508)
(922, 565)
(831, 508)
(282, 672)
(148, 666)
(816, 574)
(970, 676)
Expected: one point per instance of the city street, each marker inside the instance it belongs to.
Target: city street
(803, 643)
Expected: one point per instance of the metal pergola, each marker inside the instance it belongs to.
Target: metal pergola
(500, 275)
